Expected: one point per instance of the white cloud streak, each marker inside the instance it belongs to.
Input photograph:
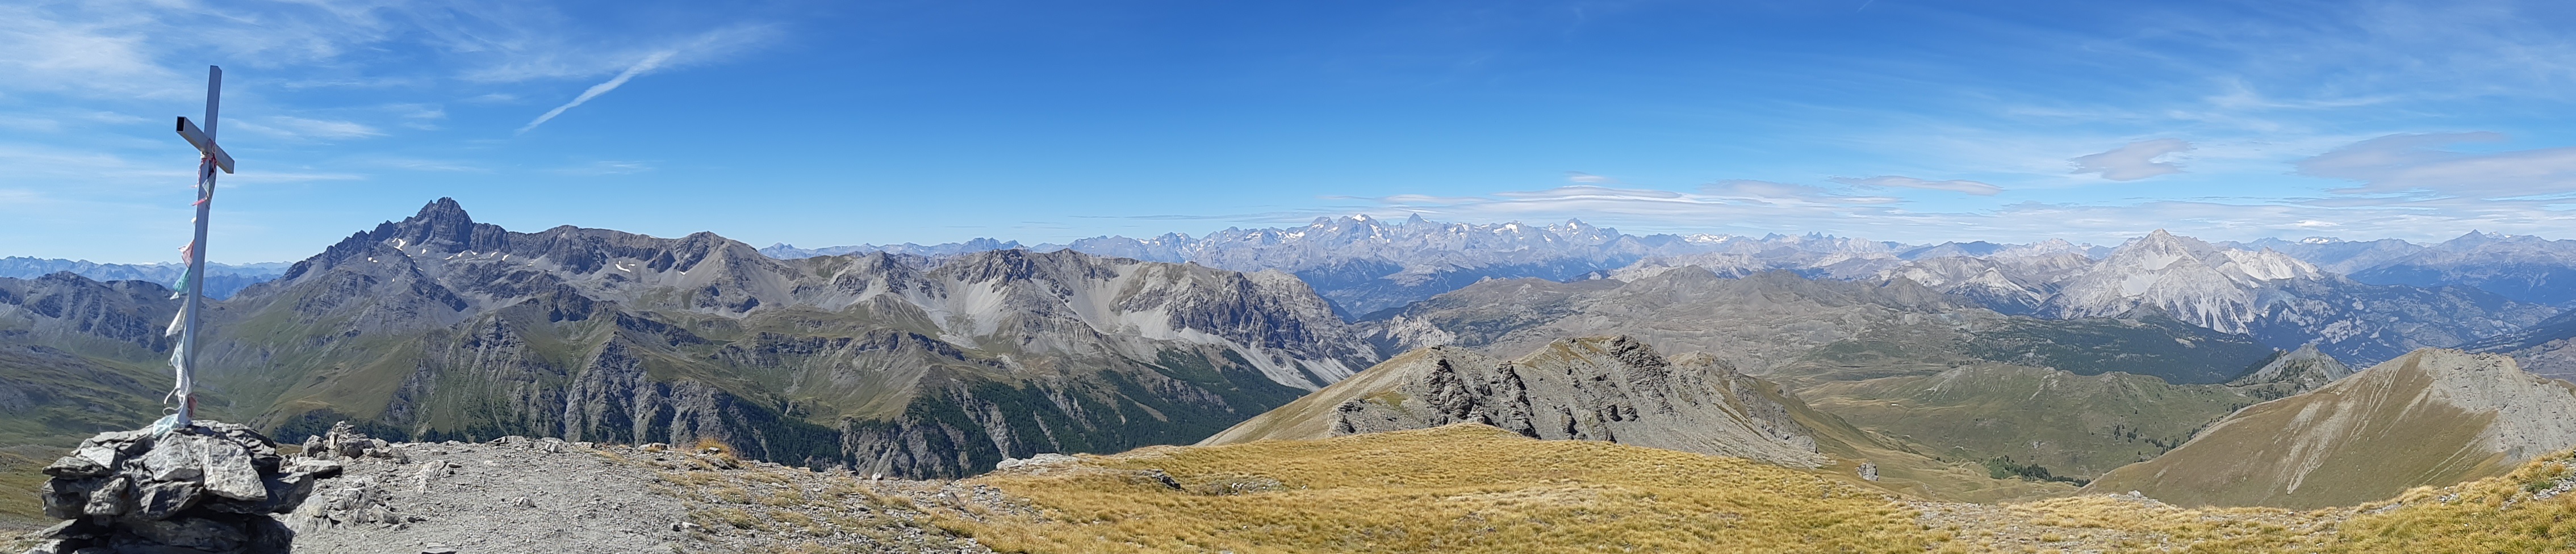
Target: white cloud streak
(650, 62)
(2133, 161)
(1898, 181)
(297, 128)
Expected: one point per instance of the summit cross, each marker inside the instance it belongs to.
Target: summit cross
(192, 284)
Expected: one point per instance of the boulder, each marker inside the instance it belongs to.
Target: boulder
(207, 488)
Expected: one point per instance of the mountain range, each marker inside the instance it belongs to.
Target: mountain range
(2362, 301)
(222, 280)
(2286, 292)
(2281, 301)
(438, 327)
(943, 360)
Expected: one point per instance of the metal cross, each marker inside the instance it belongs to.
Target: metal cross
(192, 284)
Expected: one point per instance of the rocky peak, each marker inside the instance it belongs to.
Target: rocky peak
(443, 227)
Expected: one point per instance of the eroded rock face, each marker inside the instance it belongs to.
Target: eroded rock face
(207, 488)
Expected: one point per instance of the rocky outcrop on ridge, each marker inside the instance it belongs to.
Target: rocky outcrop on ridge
(207, 488)
(2305, 369)
(1596, 388)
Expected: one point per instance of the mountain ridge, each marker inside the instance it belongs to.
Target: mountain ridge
(440, 327)
(2431, 417)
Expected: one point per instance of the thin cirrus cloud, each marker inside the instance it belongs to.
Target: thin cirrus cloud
(2135, 161)
(1587, 178)
(298, 128)
(2418, 164)
(1897, 181)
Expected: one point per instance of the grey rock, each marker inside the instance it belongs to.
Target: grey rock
(1159, 477)
(230, 472)
(153, 549)
(77, 465)
(1868, 471)
(178, 457)
(263, 452)
(52, 547)
(70, 530)
(164, 499)
(198, 533)
(1039, 460)
(112, 499)
(317, 468)
(200, 490)
(65, 498)
(267, 536)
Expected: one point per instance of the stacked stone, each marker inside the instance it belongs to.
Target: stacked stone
(343, 442)
(206, 489)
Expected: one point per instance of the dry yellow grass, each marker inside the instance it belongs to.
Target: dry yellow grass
(1478, 489)
(1449, 489)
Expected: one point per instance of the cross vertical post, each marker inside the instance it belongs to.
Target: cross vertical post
(192, 284)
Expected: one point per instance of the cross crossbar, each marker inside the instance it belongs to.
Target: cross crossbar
(196, 137)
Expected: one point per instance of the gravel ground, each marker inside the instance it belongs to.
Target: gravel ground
(520, 495)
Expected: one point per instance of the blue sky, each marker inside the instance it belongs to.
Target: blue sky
(848, 122)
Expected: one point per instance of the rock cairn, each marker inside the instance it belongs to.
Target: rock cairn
(206, 489)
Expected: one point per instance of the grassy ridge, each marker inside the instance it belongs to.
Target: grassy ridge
(1467, 488)
(1448, 489)
(19, 479)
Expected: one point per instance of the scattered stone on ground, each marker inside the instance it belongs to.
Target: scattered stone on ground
(206, 488)
(518, 494)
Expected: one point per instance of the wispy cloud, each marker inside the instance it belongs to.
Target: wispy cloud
(2417, 164)
(1587, 178)
(607, 167)
(297, 128)
(2134, 161)
(1897, 181)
